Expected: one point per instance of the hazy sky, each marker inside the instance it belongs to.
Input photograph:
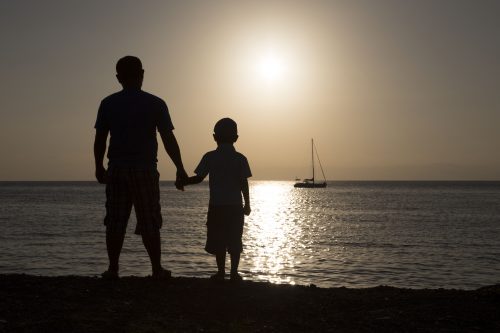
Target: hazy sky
(388, 89)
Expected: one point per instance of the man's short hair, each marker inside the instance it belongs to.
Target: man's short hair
(129, 66)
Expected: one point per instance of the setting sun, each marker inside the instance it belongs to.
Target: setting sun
(271, 67)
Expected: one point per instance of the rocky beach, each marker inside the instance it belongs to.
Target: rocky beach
(181, 304)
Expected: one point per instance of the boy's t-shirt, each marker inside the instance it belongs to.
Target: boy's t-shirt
(132, 116)
(226, 168)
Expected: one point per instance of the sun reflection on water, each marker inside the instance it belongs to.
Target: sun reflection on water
(270, 234)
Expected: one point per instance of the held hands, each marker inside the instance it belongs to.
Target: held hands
(246, 210)
(181, 179)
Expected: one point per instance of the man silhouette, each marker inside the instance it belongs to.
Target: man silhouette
(132, 117)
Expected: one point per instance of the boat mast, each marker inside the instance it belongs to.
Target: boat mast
(323, 172)
(312, 157)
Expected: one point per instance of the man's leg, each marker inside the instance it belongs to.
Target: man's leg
(152, 243)
(114, 244)
(146, 197)
(118, 208)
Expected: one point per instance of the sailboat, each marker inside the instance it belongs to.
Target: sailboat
(310, 183)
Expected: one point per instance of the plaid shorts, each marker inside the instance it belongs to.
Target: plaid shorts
(127, 187)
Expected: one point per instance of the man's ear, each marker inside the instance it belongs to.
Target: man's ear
(236, 138)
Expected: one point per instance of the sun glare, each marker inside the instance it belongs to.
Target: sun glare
(269, 231)
(271, 67)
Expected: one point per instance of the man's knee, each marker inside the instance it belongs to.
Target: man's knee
(150, 234)
(115, 232)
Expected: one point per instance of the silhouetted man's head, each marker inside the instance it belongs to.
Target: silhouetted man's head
(129, 72)
(226, 131)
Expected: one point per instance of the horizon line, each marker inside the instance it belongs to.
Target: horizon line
(282, 180)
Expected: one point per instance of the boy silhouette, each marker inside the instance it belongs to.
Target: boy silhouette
(228, 170)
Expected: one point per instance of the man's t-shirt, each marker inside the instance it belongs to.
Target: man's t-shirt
(132, 116)
(227, 168)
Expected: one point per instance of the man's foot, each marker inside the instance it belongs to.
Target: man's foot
(162, 274)
(110, 275)
(236, 277)
(219, 277)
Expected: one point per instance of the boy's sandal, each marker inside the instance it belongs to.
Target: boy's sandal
(235, 277)
(110, 275)
(163, 274)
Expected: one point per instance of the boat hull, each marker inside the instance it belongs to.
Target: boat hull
(310, 185)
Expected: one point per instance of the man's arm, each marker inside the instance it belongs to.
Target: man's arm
(246, 196)
(101, 137)
(172, 148)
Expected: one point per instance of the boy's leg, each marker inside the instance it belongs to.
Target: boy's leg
(220, 257)
(235, 262)
(235, 240)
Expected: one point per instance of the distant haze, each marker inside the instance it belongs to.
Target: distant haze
(388, 89)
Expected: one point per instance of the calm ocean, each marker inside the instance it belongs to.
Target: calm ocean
(353, 234)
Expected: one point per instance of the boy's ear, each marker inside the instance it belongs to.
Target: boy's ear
(236, 138)
(215, 138)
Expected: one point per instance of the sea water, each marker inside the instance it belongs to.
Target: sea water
(353, 234)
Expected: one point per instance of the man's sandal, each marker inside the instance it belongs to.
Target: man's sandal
(110, 275)
(163, 274)
(218, 277)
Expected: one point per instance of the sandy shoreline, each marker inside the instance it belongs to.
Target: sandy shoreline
(137, 304)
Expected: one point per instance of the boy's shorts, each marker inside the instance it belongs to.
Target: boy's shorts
(127, 187)
(224, 229)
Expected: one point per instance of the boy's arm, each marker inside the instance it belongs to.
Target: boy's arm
(193, 180)
(246, 196)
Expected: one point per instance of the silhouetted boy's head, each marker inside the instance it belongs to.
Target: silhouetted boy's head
(226, 131)
(129, 72)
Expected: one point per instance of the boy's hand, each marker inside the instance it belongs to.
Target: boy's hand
(246, 210)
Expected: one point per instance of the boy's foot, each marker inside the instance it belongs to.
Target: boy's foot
(162, 274)
(218, 277)
(235, 277)
(110, 275)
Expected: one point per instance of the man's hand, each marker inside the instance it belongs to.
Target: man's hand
(246, 210)
(180, 179)
(99, 150)
(172, 148)
(100, 175)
